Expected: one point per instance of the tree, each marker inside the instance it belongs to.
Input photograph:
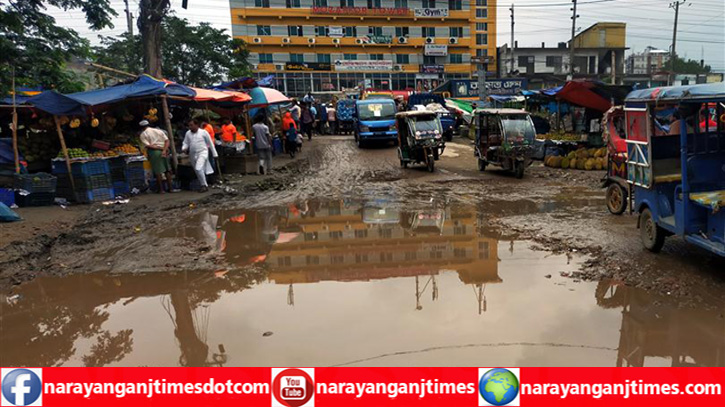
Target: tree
(151, 15)
(198, 56)
(38, 49)
(689, 66)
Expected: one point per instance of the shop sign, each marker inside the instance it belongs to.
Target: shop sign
(435, 50)
(362, 11)
(432, 69)
(377, 39)
(337, 32)
(308, 66)
(430, 12)
(353, 66)
(505, 87)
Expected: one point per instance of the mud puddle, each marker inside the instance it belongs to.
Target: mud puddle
(354, 283)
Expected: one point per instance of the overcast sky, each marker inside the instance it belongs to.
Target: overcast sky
(701, 30)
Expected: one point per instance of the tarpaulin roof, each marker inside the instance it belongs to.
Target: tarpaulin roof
(581, 94)
(551, 91)
(57, 104)
(708, 91)
(144, 85)
(204, 95)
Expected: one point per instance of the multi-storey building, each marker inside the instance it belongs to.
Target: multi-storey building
(331, 45)
(648, 62)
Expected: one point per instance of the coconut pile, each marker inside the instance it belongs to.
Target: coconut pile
(581, 159)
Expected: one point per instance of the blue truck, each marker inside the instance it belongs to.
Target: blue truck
(375, 121)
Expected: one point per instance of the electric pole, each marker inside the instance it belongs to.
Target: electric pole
(673, 53)
(571, 45)
(129, 19)
(512, 40)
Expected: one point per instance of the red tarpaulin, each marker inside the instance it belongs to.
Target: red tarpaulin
(581, 94)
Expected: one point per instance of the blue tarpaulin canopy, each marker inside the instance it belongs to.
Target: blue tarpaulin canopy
(57, 104)
(551, 91)
(707, 91)
(144, 85)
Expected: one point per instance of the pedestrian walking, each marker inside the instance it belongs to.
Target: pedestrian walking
(296, 112)
(289, 127)
(321, 118)
(157, 147)
(307, 117)
(199, 145)
(332, 119)
(263, 144)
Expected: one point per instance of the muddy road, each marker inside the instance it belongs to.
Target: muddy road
(344, 258)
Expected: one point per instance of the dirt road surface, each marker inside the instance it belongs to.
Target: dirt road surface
(341, 257)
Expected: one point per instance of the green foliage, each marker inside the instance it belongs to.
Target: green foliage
(689, 66)
(193, 55)
(38, 49)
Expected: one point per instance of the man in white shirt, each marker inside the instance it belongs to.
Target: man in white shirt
(156, 143)
(198, 143)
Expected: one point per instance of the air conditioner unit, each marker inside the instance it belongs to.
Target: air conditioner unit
(402, 40)
(359, 41)
(257, 40)
(279, 67)
(398, 68)
(286, 40)
(336, 41)
(310, 40)
(453, 40)
(429, 40)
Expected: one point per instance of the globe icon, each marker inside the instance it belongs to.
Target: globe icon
(498, 387)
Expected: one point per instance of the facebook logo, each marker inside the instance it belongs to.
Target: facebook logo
(22, 387)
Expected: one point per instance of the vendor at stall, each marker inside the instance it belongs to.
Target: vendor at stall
(156, 143)
(199, 145)
(230, 133)
(209, 129)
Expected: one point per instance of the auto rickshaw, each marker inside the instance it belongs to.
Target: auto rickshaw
(505, 138)
(618, 189)
(420, 138)
(676, 164)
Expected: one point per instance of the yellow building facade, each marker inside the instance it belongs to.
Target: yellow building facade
(332, 45)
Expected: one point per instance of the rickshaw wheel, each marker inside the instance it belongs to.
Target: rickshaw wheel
(653, 237)
(616, 199)
(431, 164)
(519, 170)
(481, 165)
(403, 163)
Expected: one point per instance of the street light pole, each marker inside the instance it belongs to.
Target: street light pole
(673, 52)
(512, 40)
(571, 45)
(129, 19)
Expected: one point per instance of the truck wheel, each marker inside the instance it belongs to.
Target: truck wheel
(481, 165)
(616, 199)
(653, 236)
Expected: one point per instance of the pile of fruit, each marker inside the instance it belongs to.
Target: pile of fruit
(559, 136)
(127, 149)
(582, 159)
(36, 148)
(74, 153)
(151, 116)
(104, 154)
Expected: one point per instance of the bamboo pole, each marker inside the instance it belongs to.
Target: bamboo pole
(170, 130)
(15, 129)
(65, 153)
(248, 127)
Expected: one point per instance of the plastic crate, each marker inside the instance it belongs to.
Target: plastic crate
(35, 199)
(95, 195)
(87, 182)
(116, 163)
(87, 168)
(118, 175)
(121, 188)
(7, 196)
(59, 166)
(39, 182)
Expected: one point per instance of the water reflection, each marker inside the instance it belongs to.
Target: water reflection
(409, 277)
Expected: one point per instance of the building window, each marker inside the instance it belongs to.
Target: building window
(402, 31)
(264, 30)
(455, 58)
(261, 3)
(481, 3)
(525, 60)
(376, 31)
(481, 13)
(324, 58)
(401, 3)
(428, 60)
(321, 31)
(481, 52)
(402, 59)
(376, 57)
(294, 31)
(347, 3)
(350, 57)
(374, 3)
(456, 32)
(429, 31)
(297, 58)
(481, 26)
(293, 3)
(455, 4)
(265, 58)
(481, 39)
(350, 31)
(429, 4)
(319, 3)
(553, 61)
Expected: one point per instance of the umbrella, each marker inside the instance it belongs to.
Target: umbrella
(206, 95)
(262, 97)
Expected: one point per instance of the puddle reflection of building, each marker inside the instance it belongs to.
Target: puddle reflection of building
(654, 328)
(345, 241)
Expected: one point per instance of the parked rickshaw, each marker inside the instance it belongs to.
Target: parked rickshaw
(420, 138)
(505, 138)
(676, 163)
(618, 189)
(346, 116)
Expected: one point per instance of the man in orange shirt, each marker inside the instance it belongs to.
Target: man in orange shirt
(229, 132)
(209, 129)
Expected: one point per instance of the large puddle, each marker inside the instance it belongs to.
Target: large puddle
(354, 283)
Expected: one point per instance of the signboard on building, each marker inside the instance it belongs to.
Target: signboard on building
(336, 32)
(377, 39)
(505, 87)
(307, 66)
(430, 12)
(362, 11)
(353, 66)
(432, 69)
(435, 50)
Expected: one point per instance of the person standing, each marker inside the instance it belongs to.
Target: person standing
(289, 127)
(198, 144)
(308, 120)
(332, 118)
(157, 147)
(209, 129)
(263, 144)
(229, 132)
(321, 118)
(296, 112)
